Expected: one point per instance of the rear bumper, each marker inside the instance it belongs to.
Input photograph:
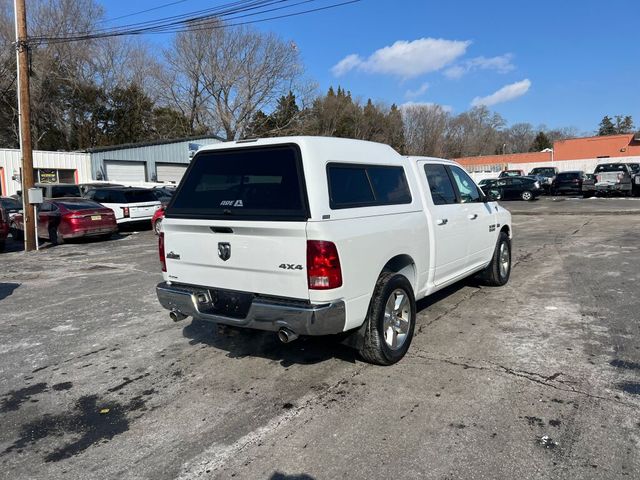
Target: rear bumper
(90, 233)
(144, 219)
(264, 314)
(612, 187)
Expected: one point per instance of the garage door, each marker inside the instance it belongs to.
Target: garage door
(118, 171)
(170, 172)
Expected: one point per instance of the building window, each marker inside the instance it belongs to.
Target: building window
(55, 175)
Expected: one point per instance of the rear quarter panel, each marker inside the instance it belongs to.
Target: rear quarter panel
(365, 244)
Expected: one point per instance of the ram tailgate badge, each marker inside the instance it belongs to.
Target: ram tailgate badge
(224, 251)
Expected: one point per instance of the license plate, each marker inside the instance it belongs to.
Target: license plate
(96, 217)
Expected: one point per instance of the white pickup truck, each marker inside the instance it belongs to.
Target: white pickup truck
(319, 236)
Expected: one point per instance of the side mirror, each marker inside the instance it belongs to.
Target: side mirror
(493, 195)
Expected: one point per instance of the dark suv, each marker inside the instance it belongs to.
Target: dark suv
(547, 176)
(568, 182)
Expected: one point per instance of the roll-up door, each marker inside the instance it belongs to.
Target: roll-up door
(119, 171)
(170, 172)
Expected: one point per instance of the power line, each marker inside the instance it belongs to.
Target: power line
(197, 20)
(108, 20)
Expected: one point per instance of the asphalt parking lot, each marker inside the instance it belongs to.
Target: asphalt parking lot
(538, 379)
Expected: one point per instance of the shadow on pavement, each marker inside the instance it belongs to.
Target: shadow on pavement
(282, 476)
(240, 343)
(6, 289)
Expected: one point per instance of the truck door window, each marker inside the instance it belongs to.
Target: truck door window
(466, 187)
(440, 185)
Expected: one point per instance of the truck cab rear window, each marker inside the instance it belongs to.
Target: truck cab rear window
(353, 186)
(257, 183)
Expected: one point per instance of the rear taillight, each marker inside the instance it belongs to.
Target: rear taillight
(323, 265)
(163, 260)
(125, 212)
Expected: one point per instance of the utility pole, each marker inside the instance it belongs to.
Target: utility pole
(24, 115)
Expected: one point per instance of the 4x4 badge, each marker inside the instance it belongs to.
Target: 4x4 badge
(224, 251)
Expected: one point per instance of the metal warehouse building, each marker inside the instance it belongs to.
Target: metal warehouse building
(161, 161)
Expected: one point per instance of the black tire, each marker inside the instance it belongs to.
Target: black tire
(494, 275)
(16, 233)
(2, 245)
(527, 196)
(375, 348)
(157, 226)
(54, 236)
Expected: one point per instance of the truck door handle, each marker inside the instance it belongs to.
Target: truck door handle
(442, 221)
(473, 216)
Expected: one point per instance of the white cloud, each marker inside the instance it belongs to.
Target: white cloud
(347, 63)
(417, 92)
(446, 108)
(505, 94)
(406, 59)
(501, 64)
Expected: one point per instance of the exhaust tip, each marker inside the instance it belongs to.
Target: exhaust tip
(176, 316)
(286, 336)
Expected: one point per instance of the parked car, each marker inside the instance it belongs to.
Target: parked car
(11, 206)
(319, 236)
(511, 173)
(59, 190)
(546, 176)
(612, 179)
(485, 181)
(568, 182)
(129, 204)
(164, 194)
(513, 188)
(4, 227)
(62, 219)
(156, 221)
(85, 187)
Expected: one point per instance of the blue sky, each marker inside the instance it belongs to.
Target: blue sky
(562, 63)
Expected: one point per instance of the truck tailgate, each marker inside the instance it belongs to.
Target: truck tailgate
(258, 257)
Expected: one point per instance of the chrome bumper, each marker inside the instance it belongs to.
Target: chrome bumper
(264, 313)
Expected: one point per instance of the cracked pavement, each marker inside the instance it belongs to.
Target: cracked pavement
(538, 379)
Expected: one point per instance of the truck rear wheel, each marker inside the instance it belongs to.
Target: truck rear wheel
(499, 270)
(390, 321)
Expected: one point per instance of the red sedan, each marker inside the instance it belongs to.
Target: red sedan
(156, 221)
(66, 218)
(4, 227)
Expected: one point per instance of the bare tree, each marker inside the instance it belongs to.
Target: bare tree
(425, 127)
(246, 71)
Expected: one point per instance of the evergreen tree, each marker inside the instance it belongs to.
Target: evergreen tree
(606, 126)
(624, 124)
(540, 143)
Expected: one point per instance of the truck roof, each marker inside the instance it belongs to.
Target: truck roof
(328, 147)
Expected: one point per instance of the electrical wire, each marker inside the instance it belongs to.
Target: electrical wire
(134, 14)
(197, 20)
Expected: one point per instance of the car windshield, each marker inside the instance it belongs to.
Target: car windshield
(568, 175)
(543, 172)
(611, 167)
(135, 196)
(58, 191)
(635, 167)
(10, 204)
